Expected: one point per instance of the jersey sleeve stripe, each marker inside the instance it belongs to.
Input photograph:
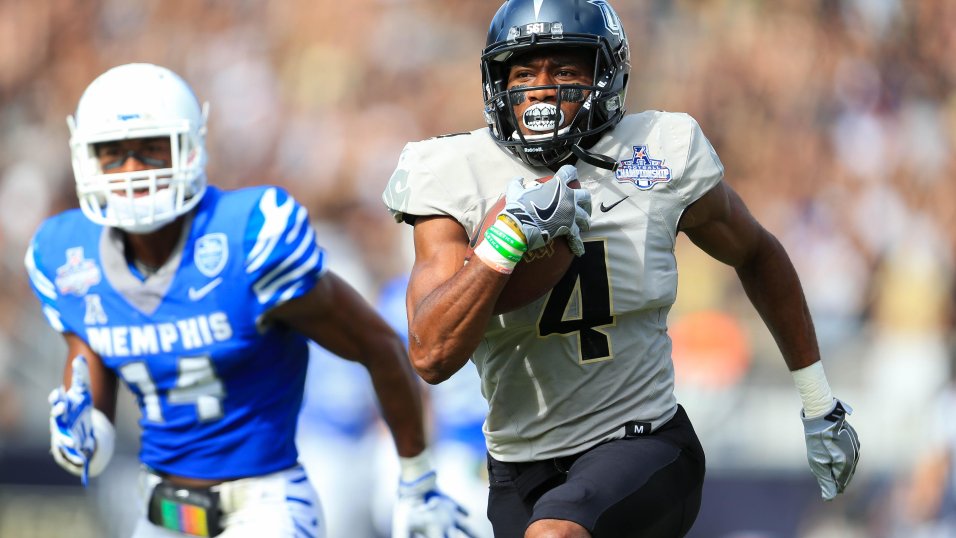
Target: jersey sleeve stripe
(276, 221)
(301, 217)
(40, 281)
(289, 293)
(260, 253)
(265, 292)
(306, 243)
(53, 317)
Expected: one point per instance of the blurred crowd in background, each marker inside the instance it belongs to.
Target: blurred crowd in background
(835, 120)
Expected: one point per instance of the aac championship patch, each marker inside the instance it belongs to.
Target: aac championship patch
(641, 170)
(78, 274)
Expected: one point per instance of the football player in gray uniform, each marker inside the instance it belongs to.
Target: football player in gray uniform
(584, 434)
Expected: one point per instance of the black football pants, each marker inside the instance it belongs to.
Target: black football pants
(646, 486)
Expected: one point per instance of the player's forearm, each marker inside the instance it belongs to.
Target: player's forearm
(399, 395)
(772, 284)
(448, 323)
(103, 381)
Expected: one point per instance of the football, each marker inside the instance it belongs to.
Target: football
(537, 272)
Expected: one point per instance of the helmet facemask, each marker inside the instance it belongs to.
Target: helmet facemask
(521, 27)
(145, 200)
(555, 133)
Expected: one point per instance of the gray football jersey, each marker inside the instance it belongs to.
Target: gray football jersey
(569, 370)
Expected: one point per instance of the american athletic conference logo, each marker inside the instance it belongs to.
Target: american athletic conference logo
(642, 171)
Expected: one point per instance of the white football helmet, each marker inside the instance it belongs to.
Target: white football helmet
(139, 101)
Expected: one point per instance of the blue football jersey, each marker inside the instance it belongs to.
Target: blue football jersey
(219, 391)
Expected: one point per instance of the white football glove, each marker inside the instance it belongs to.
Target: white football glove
(548, 210)
(833, 449)
(81, 437)
(424, 511)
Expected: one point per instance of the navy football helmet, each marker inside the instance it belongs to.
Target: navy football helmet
(521, 26)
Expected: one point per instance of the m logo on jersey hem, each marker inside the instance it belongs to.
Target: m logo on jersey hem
(211, 253)
(78, 274)
(642, 171)
(636, 429)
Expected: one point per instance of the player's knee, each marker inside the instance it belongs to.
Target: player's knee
(555, 528)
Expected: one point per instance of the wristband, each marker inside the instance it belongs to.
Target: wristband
(513, 226)
(811, 383)
(105, 435)
(415, 467)
(494, 233)
(502, 247)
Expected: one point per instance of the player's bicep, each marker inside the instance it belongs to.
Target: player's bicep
(337, 317)
(440, 248)
(103, 382)
(720, 224)
(307, 312)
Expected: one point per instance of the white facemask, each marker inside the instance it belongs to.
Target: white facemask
(144, 214)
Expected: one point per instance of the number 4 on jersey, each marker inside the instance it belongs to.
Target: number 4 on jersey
(581, 303)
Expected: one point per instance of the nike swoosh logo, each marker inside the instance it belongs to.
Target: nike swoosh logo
(195, 295)
(474, 239)
(606, 208)
(544, 213)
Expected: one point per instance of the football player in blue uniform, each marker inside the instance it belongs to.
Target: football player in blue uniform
(201, 301)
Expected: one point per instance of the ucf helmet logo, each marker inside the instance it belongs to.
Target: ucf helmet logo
(611, 21)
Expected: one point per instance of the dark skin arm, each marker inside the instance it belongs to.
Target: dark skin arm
(722, 226)
(448, 304)
(103, 381)
(335, 316)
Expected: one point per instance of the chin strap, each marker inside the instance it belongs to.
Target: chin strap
(594, 159)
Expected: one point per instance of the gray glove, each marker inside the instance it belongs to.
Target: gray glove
(548, 210)
(833, 449)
